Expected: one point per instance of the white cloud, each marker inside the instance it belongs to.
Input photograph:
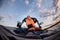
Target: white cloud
(10, 15)
(6, 20)
(2, 17)
(27, 2)
(58, 3)
(38, 3)
(58, 6)
(11, 2)
(48, 20)
(45, 12)
(30, 11)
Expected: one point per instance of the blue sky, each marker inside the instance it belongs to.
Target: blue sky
(17, 10)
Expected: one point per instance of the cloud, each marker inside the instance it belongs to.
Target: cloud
(49, 20)
(7, 17)
(45, 12)
(11, 2)
(2, 17)
(52, 18)
(58, 6)
(30, 11)
(38, 3)
(10, 15)
(57, 2)
(27, 2)
(49, 12)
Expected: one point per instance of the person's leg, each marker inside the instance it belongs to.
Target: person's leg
(18, 30)
(44, 31)
(25, 31)
(37, 32)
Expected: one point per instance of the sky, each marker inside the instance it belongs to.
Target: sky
(12, 11)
